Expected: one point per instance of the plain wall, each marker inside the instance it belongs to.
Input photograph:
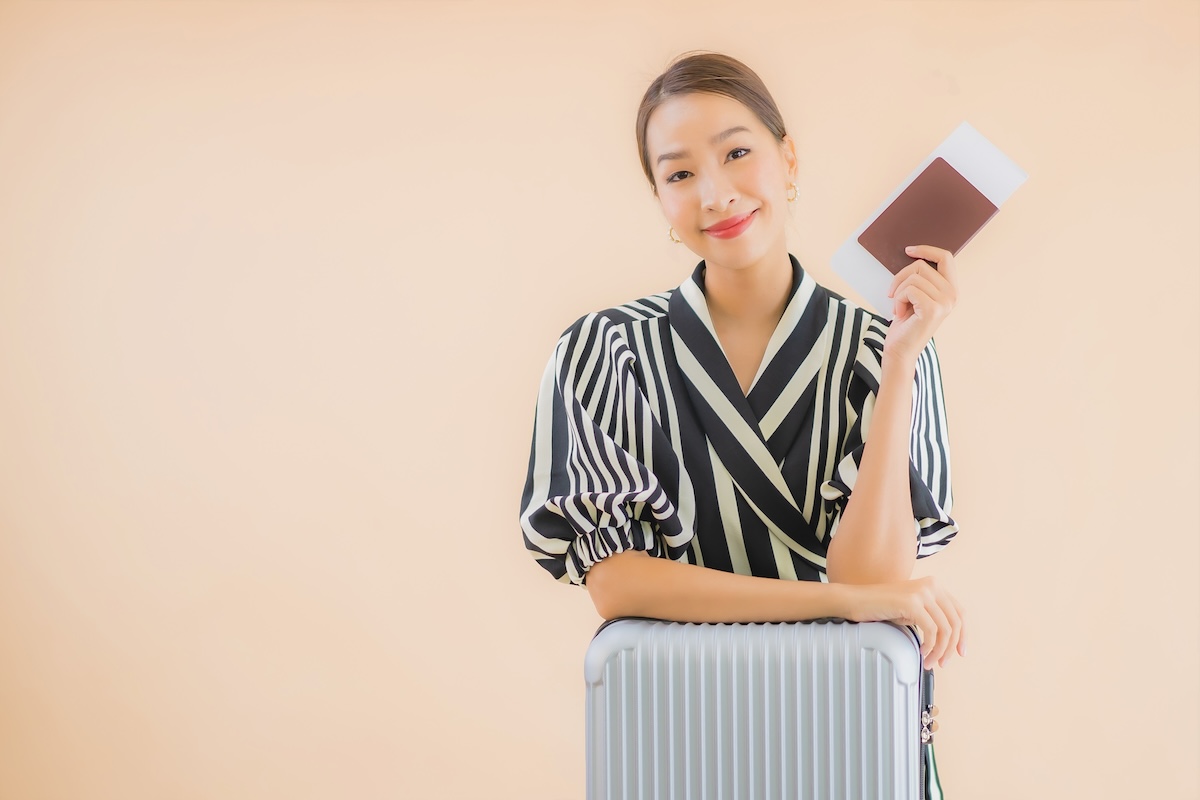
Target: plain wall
(277, 284)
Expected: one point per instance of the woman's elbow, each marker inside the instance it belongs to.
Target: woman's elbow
(608, 583)
(882, 568)
(886, 573)
(603, 597)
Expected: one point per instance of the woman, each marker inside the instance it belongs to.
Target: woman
(701, 454)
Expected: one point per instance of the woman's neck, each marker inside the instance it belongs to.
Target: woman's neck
(752, 296)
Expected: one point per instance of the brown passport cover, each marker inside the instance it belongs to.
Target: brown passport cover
(940, 207)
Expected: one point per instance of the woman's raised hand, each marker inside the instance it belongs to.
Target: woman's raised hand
(920, 602)
(922, 297)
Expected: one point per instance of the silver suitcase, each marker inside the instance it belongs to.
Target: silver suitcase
(825, 709)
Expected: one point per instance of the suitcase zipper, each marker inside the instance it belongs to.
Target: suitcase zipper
(926, 727)
(923, 773)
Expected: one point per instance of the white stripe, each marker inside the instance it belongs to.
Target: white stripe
(731, 419)
(652, 380)
(592, 359)
(827, 431)
(799, 382)
(586, 456)
(597, 364)
(942, 438)
(787, 324)
(847, 473)
(649, 420)
(645, 308)
(783, 560)
(731, 522)
(577, 351)
(920, 416)
(641, 449)
(617, 355)
(687, 493)
(776, 532)
(695, 298)
(933, 459)
(543, 462)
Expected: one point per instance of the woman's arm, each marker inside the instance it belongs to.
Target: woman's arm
(876, 537)
(875, 540)
(632, 583)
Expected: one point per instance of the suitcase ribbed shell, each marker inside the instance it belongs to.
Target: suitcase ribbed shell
(815, 710)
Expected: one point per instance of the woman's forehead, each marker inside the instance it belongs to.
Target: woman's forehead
(696, 120)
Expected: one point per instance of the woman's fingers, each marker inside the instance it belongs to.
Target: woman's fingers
(943, 632)
(929, 631)
(938, 615)
(937, 290)
(953, 631)
(962, 627)
(922, 304)
(919, 274)
(934, 612)
(917, 292)
(944, 259)
(921, 268)
(923, 280)
(900, 277)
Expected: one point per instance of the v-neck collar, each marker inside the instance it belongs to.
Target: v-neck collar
(799, 330)
(740, 426)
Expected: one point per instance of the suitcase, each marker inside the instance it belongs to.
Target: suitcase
(813, 710)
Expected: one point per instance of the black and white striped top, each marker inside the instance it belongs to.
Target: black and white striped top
(643, 438)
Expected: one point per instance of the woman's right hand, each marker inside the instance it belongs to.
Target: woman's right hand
(920, 602)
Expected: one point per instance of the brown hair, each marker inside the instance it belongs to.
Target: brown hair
(715, 73)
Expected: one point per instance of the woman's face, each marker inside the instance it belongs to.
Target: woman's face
(706, 174)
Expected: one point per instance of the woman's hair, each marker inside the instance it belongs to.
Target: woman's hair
(715, 73)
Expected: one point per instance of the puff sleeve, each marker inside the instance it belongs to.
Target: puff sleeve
(929, 449)
(589, 490)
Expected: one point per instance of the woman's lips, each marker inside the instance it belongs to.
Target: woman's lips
(729, 233)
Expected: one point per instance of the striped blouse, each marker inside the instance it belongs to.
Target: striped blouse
(644, 440)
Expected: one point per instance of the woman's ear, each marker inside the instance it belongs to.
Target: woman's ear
(788, 146)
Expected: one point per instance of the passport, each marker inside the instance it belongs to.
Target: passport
(940, 208)
(944, 202)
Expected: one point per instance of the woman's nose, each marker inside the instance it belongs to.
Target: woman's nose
(716, 193)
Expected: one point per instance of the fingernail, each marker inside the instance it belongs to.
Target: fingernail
(909, 249)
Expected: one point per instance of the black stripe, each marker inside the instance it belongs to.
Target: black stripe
(708, 352)
(803, 337)
(757, 539)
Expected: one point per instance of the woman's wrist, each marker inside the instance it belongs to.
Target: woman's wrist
(898, 362)
(840, 599)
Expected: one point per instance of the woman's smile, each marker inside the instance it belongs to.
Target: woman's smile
(733, 230)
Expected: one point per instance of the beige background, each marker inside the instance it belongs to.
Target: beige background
(277, 283)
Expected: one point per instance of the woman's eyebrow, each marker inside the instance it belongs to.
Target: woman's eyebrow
(720, 137)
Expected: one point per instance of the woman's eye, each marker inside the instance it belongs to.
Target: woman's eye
(671, 177)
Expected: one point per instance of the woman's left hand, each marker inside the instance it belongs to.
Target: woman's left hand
(922, 297)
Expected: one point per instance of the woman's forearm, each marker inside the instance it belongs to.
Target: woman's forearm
(633, 583)
(875, 539)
